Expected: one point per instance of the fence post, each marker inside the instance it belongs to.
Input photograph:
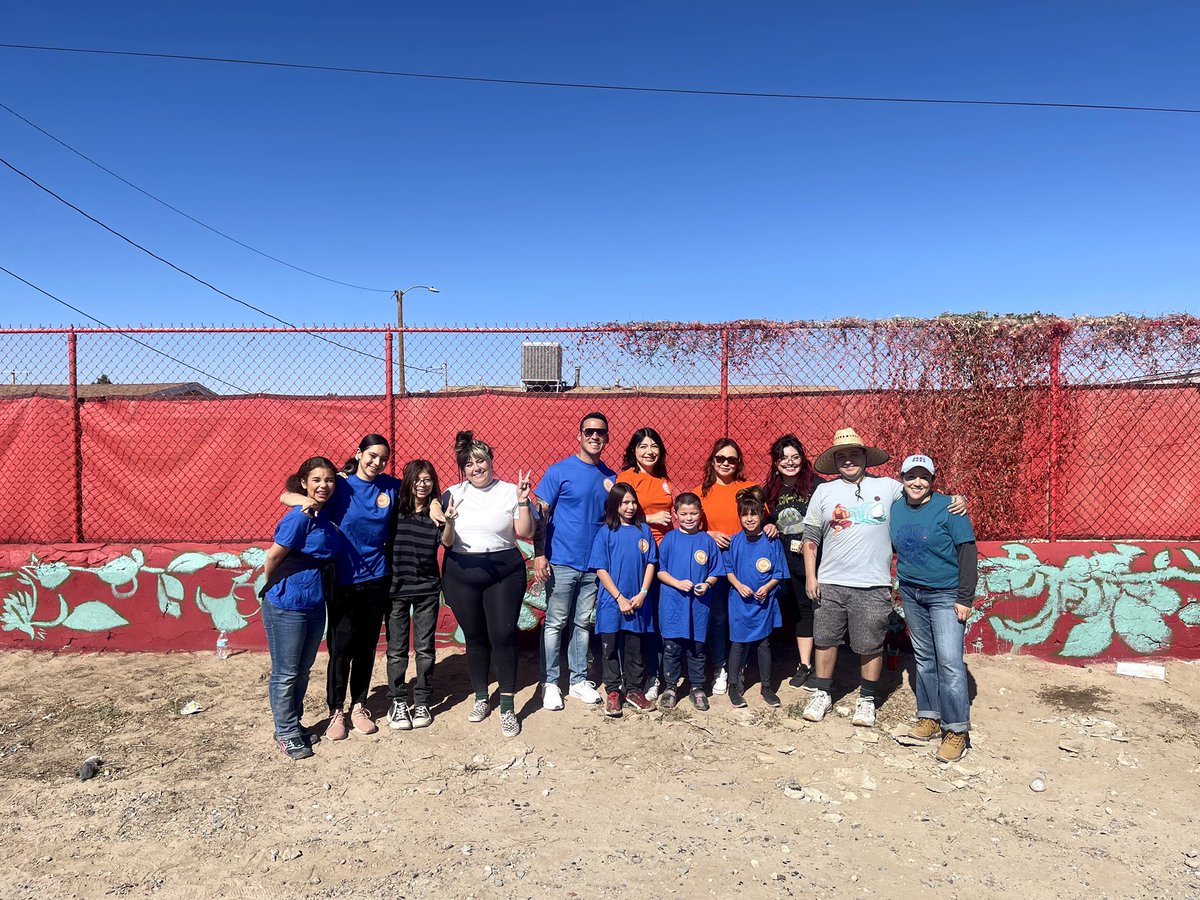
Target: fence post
(1054, 469)
(76, 433)
(724, 382)
(391, 401)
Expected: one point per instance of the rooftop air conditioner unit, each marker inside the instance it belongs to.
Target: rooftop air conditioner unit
(541, 365)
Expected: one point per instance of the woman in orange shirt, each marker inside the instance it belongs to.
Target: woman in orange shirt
(645, 470)
(724, 476)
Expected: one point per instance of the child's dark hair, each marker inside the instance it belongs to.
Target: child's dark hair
(687, 498)
(612, 517)
(467, 445)
(371, 440)
(631, 462)
(751, 500)
(295, 483)
(408, 501)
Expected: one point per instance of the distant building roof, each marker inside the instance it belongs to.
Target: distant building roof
(174, 391)
(656, 390)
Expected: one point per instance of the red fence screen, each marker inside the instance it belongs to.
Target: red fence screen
(1054, 428)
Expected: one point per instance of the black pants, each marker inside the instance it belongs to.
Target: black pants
(739, 654)
(623, 667)
(796, 594)
(485, 590)
(421, 613)
(674, 651)
(356, 614)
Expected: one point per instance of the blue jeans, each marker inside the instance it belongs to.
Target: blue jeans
(293, 636)
(717, 636)
(572, 598)
(937, 639)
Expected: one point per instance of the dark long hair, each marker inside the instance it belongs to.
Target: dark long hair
(408, 501)
(660, 467)
(371, 440)
(806, 478)
(750, 500)
(295, 483)
(612, 518)
(710, 471)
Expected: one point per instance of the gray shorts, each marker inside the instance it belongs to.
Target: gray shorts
(860, 612)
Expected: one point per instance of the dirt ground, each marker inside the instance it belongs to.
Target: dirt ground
(754, 802)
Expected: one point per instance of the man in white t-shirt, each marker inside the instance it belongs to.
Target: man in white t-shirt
(848, 521)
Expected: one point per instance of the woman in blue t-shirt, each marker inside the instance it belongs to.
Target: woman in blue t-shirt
(362, 504)
(299, 581)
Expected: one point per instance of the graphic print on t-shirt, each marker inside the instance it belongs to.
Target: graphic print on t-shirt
(869, 512)
(912, 541)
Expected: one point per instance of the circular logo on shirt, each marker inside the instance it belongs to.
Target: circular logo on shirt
(763, 564)
(643, 545)
(700, 556)
(382, 501)
(608, 483)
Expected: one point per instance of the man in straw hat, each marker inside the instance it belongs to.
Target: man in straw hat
(848, 520)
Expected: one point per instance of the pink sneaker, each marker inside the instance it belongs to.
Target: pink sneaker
(336, 729)
(360, 718)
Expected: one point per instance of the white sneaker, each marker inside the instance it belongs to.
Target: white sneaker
(551, 697)
(654, 690)
(815, 709)
(584, 691)
(721, 682)
(864, 712)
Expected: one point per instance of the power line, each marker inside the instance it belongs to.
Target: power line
(130, 337)
(576, 85)
(187, 216)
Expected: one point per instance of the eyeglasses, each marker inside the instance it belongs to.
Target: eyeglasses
(595, 432)
(725, 460)
(423, 481)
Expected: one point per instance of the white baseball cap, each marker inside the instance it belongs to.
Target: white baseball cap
(917, 461)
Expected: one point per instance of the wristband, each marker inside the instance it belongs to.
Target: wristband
(522, 503)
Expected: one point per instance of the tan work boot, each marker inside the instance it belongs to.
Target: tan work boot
(336, 729)
(362, 720)
(925, 729)
(953, 748)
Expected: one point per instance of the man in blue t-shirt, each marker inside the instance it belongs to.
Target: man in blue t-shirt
(574, 491)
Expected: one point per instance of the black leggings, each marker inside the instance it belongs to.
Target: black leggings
(484, 591)
(796, 593)
(356, 614)
(739, 655)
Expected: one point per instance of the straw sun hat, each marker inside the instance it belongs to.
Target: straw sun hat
(847, 439)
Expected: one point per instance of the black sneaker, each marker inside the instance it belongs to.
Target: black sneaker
(699, 700)
(803, 673)
(309, 737)
(667, 699)
(736, 698)
(770, 697)
(296, 748)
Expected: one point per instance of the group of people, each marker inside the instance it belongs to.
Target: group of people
(684, 587)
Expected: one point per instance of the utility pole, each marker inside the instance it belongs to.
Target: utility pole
(403, 385)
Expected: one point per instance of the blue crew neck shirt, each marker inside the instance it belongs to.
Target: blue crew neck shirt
(364, 510)
(576, 492)
(927, 538)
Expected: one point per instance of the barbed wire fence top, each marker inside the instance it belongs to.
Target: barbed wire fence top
(1054, 428)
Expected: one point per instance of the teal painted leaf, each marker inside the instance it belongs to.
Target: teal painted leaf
(1190, 614)
(227, 560)
(526, 621)
(1141, 626)
(93, 616)
(1155, 594)
(119, 571)
(254, 556)
(1191, 556)
(187, 563)
(223, 610)
(170, 592)
(1089, 638)
(51, 575)
(1162, 560)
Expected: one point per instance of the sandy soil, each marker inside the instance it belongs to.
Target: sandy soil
(683, 803)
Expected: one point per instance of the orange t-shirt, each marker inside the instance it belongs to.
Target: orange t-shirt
(720, 506)
(654, 494)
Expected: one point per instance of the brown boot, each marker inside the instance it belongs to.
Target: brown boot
(925, 729)
(953, 748)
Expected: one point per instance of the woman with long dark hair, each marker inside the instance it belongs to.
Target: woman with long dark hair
(789, 485)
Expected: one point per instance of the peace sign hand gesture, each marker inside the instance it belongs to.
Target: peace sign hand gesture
(524, 485)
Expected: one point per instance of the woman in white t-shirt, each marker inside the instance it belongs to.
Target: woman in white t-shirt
(484, 573)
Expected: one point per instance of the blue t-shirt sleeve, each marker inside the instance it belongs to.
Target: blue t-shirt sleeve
(550, 485)
(961, 531)
(601, 558)
(779, 569)
(652, 553)
(292, 530)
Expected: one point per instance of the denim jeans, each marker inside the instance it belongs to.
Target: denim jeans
(937, 639)
(293, 636)
(571, 599)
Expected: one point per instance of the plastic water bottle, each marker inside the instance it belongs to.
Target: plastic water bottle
(223, 645)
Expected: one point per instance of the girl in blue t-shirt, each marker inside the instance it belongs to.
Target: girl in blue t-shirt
(299, 581)
(362, 506)
(756, 568)
(690, 563)
(623, 557)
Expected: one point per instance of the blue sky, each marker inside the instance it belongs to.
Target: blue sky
(539, 205)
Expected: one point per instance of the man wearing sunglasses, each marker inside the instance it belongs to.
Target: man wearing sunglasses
(574, 491)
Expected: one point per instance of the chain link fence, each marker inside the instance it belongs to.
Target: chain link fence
(1054, 428)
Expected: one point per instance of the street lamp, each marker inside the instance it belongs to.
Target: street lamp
(400, 323)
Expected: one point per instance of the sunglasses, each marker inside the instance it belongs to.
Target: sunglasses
(595, 432)
(726, 460)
